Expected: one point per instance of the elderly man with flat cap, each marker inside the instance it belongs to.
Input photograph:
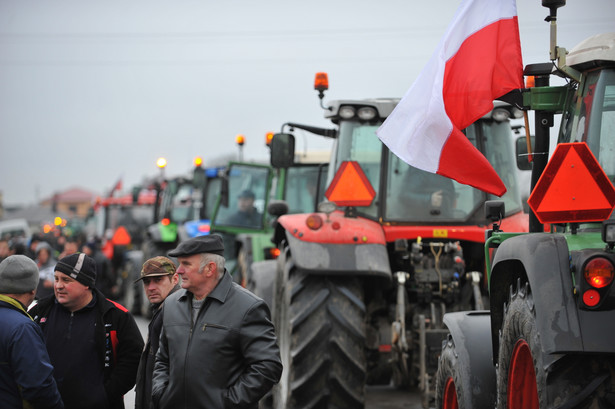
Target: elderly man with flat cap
(218, 347)
(159, 281)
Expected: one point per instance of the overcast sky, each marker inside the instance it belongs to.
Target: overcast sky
(93, 91)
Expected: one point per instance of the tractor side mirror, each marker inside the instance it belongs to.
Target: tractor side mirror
(282, 150)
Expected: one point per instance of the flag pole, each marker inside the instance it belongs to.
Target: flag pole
(528, 140)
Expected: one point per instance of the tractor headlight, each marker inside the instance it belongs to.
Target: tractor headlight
(366, 113)
(347, 112)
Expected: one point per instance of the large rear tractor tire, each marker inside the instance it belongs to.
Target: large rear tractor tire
(321, 332)
(521, 379)
(449, 390)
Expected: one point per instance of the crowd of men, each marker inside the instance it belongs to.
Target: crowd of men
(210, 344)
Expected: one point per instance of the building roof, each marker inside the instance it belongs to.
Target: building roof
(74, 194)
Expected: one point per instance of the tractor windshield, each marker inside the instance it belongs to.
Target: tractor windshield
(247, 192)
(590, 118)
(181, 203)
(305, 187)
(407, 194)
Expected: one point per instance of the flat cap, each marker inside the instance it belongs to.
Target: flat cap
(157, 266)
(201, 244)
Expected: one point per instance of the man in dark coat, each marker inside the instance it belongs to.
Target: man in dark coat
(94, 343)
(26, 374)
(218, 347)
(159, 281)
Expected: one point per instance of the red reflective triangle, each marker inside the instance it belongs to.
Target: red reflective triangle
(572, 188)
(121, 237)
(350, 186)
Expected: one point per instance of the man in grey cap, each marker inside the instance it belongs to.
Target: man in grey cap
(218, 347)
(159, 281)
(26, 373)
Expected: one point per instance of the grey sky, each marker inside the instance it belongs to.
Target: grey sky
(91, 91)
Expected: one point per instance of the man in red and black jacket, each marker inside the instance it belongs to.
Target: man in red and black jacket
(94, 344)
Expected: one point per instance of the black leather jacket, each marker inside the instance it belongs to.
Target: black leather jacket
(228, 359)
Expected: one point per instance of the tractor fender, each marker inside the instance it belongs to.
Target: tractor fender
(542, 260)
(335, 228)
(471, 334)
(340, 258)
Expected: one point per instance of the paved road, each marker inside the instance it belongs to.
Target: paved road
(378, 397)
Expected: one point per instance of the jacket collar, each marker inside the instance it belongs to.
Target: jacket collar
(220, 291)
(15, 304)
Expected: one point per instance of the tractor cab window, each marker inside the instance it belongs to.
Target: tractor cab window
(247, 189)
(358, 142)
(305, 187)
(415, 195)
(591, 119)
(497, 143)
(212, 191)
(182, 208)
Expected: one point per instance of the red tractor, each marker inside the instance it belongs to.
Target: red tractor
(361, 286)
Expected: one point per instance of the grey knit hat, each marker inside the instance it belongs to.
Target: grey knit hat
(18, 275)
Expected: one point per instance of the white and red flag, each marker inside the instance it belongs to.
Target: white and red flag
(477, 61)
(116, 188)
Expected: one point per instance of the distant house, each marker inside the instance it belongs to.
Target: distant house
(73, 201)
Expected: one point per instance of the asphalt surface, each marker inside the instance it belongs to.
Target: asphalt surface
(378, 397)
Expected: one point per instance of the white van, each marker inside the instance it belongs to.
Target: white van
(15, 228)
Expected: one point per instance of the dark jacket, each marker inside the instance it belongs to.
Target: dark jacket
(143, 390)
(26, 374)
(118, 342)
(228, 359)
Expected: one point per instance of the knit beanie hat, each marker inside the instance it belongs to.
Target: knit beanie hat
(80, 267)
(18, 275)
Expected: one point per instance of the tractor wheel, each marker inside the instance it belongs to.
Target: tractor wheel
(521, 381)
(321, 333)
(449, 390)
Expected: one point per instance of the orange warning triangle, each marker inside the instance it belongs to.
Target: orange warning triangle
(121, 237)
(350, 186)
(572, 188)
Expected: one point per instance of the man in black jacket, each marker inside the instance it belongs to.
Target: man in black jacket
(159, 281)
(218, 347)
(94, 343)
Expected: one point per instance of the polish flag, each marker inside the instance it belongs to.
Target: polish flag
(477, 61)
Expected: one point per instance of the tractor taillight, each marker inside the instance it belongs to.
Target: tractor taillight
(598, 272)
(591, 298)
(314, 222)
(271, 253)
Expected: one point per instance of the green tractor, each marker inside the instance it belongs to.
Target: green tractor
(252, 197)
(548, 340)
(185, 208)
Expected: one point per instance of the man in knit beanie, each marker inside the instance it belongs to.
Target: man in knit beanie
(94, 343)
(26, 373)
